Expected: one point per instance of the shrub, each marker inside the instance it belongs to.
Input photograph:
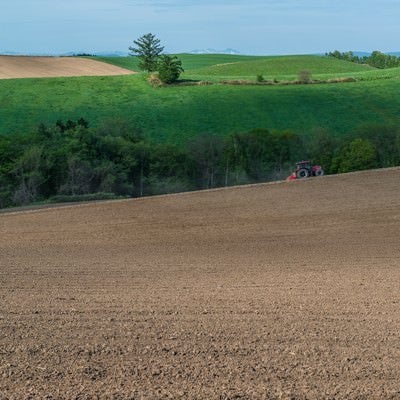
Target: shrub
(304, 76)
(169, 69)
(357, 155)
(260, 78)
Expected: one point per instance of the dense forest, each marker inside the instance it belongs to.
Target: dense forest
(72, 161)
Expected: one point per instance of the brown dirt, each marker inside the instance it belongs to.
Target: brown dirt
(284, 291)
(46, 67)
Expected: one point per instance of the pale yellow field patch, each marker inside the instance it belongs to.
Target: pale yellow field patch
(45, 67)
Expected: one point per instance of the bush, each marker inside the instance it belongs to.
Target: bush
(169, 69)
(304, 76)
(358, 155)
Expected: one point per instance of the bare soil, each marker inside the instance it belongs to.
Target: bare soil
(46, 67)
(282, 291)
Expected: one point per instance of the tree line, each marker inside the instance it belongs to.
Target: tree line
(71, 161)
(376, 59)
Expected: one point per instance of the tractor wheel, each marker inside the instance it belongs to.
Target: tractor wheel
(302, 173)
(319, 172)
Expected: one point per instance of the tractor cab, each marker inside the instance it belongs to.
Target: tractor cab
(303, 164)
(305, 169)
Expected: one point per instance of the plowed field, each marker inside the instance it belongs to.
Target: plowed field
(279, 291)
(46, 67)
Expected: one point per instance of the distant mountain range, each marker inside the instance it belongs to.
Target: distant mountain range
(111, 53)
(125, 53)
(68, 54)
(213, 51)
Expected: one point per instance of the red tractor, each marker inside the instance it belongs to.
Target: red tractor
(304, 169)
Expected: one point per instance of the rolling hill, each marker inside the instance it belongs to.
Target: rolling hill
(176, 113)
(237, 65)
(278, 66)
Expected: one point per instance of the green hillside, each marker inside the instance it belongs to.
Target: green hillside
(189, 61)
(130, 63)
(279, 66)
(225, 65)
(175, 113)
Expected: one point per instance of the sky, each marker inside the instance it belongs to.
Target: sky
(267, 27)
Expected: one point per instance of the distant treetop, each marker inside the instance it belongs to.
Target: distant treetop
(376, 59)
(148, 50)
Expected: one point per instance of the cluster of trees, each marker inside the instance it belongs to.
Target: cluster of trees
(148, 49)
(71, 161)
(376, 59)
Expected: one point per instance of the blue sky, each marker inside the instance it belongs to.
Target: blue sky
(251, 27)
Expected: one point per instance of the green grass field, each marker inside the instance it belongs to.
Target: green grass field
(215, 67)
(189, 61)
(176, 113)
(282, 66)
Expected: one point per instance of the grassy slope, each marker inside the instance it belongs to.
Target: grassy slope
(189, 61)
(222, 65)
(177, 113)
(275, 67)
(130, 63)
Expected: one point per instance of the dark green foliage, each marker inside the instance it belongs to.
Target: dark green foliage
(72, 162)
(169, 69)
(386, 141)
(263, 155)
(205, 152)
(148, 51)
(357, 155)
(376, 59)
(260, 78)
(345, 56)
(28, 171)
(321, 147)
(84, 55)
(380, 60)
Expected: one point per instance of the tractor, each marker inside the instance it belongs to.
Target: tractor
(304, 169)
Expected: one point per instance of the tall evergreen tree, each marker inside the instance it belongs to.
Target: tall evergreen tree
(148, 50)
